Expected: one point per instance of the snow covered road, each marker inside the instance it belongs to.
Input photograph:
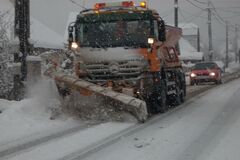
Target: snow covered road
(206, 129)
(192, 131)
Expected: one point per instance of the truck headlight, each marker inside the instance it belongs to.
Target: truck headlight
(74, 45)
(150, 40)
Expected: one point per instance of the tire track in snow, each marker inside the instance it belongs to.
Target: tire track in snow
(111, 139)
(88, 150)
(212, 135)
(82, 154)
(38, 141)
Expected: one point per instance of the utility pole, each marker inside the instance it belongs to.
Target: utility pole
(226, 59)
(239, 56)
(210, 48)
(176, 21)
(22, 31)
(176, 13)
(198, 41)
(236, 43)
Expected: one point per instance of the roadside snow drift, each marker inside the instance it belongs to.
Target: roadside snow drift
(31, 115)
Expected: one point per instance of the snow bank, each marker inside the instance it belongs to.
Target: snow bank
(232, 67)
(32, 115)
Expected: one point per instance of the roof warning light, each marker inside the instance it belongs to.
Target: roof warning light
(114, 4)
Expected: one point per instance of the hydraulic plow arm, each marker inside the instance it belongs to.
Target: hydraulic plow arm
(135, 106)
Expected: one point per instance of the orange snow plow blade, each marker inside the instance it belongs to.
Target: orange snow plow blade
(136, 107)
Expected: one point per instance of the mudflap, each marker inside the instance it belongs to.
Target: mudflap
(136, 107)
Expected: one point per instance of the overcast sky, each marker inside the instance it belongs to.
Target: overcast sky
(54, 14)
(227, 9)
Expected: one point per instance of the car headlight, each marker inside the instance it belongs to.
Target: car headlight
(212, 74)
(193, 75)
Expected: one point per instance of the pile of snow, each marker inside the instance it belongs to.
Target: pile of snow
(232, 67)
(220, 64)
(44, 37)
(32, 115)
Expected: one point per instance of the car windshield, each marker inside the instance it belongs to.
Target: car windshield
(202, 66)
(114, 34)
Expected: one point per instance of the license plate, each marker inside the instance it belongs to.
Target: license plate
(202, 77)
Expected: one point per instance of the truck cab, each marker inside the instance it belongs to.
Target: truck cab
(130, 49)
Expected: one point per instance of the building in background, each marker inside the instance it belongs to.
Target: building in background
(189, 54)
(191, 33)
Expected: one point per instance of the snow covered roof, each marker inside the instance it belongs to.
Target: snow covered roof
(189, 28)
(5, 5)
(188, 52)
(41, 35)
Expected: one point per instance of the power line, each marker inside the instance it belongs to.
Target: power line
(195, 5)
(198, 14)
(193, 17)
(166, 13)
(220, 18)
(79, 5)
(233, 16)
(229, 11)
(234, 7)
(200, 2)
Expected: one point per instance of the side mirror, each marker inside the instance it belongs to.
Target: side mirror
(70, 29)
(162, 31)
(70, 40)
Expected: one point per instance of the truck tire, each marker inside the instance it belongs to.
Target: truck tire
(178, 96)
(182, 98)
(158, 101)
(163, 101)
(176, 99)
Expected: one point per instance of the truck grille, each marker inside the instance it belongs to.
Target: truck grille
(115, 70)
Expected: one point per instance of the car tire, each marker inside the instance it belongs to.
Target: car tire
(191, 83)
(218, 82)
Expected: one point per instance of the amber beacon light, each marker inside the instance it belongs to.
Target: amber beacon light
(143, 4)
(114, 4)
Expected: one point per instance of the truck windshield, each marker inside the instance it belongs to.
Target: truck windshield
(114, 34)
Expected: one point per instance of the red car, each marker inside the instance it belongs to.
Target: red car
(206, 72)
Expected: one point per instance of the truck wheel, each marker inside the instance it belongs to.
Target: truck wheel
(178, 96)
(159, 101)
(176, 99)
(191, 83)
(182, 98)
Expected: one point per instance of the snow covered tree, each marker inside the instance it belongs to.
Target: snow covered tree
(5, 57)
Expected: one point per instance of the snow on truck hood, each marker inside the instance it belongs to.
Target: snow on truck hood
(92, 55)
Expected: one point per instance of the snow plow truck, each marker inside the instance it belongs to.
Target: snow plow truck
(125, 52)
